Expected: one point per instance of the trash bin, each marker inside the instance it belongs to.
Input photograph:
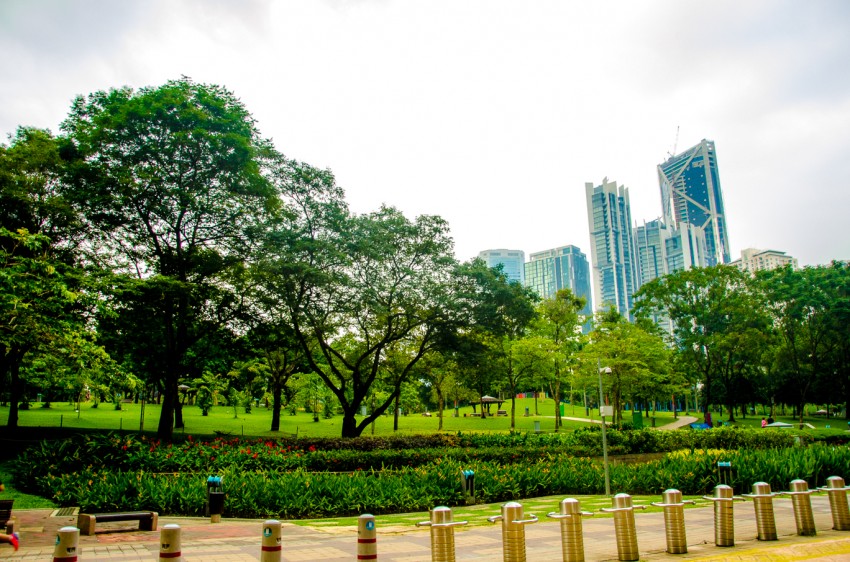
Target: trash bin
(215, 498)
(637, 420)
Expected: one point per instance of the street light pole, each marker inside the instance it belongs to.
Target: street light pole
(607, 371)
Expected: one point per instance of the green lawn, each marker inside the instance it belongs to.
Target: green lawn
(257, 423)
(476, 515)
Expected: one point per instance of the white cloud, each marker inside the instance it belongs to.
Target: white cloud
(491, 114)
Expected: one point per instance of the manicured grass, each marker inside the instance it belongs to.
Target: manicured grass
(257, 423)
(476, 515)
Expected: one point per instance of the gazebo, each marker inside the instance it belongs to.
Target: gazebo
(487, 400)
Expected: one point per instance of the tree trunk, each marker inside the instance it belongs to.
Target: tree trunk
(277, 389)
(440, 404)
(349, 424)
(395, 411)
(165, 430)
(178, 413)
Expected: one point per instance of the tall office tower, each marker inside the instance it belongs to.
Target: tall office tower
(754, 260)
(609, 218)
(661, 249)
(512, 261)
(566, 267)
(690, 193)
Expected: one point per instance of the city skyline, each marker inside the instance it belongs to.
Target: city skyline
(491, 114)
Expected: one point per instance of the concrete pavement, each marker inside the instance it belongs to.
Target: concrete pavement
(237, 540)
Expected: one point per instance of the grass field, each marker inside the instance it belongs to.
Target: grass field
(256, 424)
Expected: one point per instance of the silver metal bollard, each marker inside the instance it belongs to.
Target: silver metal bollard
(442, 525)
(763, 504)
(270, 549)
(367, 538)
(674, 520)
(572, 538)
(624, 526)
(802, 503)
(837, 492)
(724, 520)
(67, 545)
(513, 531)
(169, 543)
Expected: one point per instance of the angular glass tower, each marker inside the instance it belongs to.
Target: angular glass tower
(690, 193)
(566, 267)
(609, 218)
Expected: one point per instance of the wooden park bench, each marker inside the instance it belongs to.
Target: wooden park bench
(502, 413)
(148, 520)
(6, 519)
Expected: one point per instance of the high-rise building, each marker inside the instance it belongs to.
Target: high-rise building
(754, 260)
(661, 249)
(609, 218)
(512, 262)
(565, 267)
(690, 194)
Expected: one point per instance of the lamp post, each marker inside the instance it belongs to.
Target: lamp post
(607, 371)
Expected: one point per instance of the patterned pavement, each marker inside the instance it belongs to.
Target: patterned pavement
(237, 540)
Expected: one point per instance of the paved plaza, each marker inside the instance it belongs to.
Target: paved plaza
(237, 540)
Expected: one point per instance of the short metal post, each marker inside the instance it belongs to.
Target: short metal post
(513, 531)
(802, 502)
(674, 520)
(442, 525)
(169, 543)
(724, 520)
(367, 538)
(270, 549)
(837, 492)
(763, 503)
(624, 526)
(67, 545)
(572, 538)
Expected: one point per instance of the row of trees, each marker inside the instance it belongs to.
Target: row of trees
(779, 337)
(158, 239)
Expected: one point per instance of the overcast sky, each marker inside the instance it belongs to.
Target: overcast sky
(492, 114)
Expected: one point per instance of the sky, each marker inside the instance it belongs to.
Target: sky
(492, 114)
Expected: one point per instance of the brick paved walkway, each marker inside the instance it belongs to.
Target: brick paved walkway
(236, 540)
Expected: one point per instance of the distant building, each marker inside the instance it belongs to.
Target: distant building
(691, 194)
(612, 251)
(754, 260)
(512, 261)
(565, 267)
(661, 249)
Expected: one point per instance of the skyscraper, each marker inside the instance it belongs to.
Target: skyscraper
(661, 249)
(565, 267)
(690, 193)
(512, 262)
(609, 218)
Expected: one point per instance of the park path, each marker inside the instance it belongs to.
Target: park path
(681, 421)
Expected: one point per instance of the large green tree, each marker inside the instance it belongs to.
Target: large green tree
(720, 326)
(170, 182)
(355, 287)
(40, 285)
(639, 360)
(804, 304)
(559, 320)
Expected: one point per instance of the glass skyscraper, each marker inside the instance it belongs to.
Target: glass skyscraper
(512, 262)
(565, 267)
(690, 194)
(612, 251)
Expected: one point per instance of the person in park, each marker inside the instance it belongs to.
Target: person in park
(12, 539)
(763, 423)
